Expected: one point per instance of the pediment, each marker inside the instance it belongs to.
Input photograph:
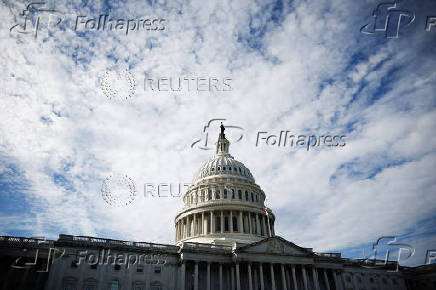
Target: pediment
(275, 245)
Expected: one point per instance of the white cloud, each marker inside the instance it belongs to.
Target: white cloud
(312, 72)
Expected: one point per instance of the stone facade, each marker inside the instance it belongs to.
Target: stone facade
(224, 240)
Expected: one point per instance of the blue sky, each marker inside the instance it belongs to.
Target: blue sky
(302, 66)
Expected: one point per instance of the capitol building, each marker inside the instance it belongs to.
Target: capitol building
(224, 240)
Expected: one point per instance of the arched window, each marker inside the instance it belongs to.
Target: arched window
(202, 196)
(69, 283)
(224, 168)
(225, 193)
(217, 224)
(139, 286)
(252, 197)
(246, 195)
(156, 285)
(239, 194)
(233, 193)
(257, 197)
(235, 224)
(90, 284)
(209, 194)
(217, 194)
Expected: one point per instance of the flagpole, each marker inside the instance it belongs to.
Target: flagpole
(267, 217)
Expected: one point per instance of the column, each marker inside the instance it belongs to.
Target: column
(262, 286)
(195, 225)
(315, 278)
(212, 223)
(338, 287)
(241, 223)
(202, 223)
(233, 277)
(182, 276)
(208, 276)
(303, 269)
(222, 221)
(231, 221)
(263, 226)
(188, 226)
(273, 280)
(221, 276)
(238, 278)
(228, 285)
(294, 277)
(185, 230)
(250, 228)
(326, 279)
(288, 277)
(268, 225)
(283, 277)
(272, 228)
(353, 280)
(256, 285)
(257, 224)
(196, 276)
(250, 281)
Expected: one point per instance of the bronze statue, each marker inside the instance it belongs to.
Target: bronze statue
(222, 130)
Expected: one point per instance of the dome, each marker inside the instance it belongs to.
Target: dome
(223, 165)
(223, 205)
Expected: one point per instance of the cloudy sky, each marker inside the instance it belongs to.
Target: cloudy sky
(68, 118)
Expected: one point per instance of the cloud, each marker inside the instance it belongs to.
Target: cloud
(301, 66)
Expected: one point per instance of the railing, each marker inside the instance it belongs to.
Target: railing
(205, 247)
(330, 255)
(23, 241)
(110, 242)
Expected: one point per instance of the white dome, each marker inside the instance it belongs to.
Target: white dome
(221, 166)
(223, 205)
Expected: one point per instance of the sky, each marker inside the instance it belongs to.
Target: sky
(78, 105)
